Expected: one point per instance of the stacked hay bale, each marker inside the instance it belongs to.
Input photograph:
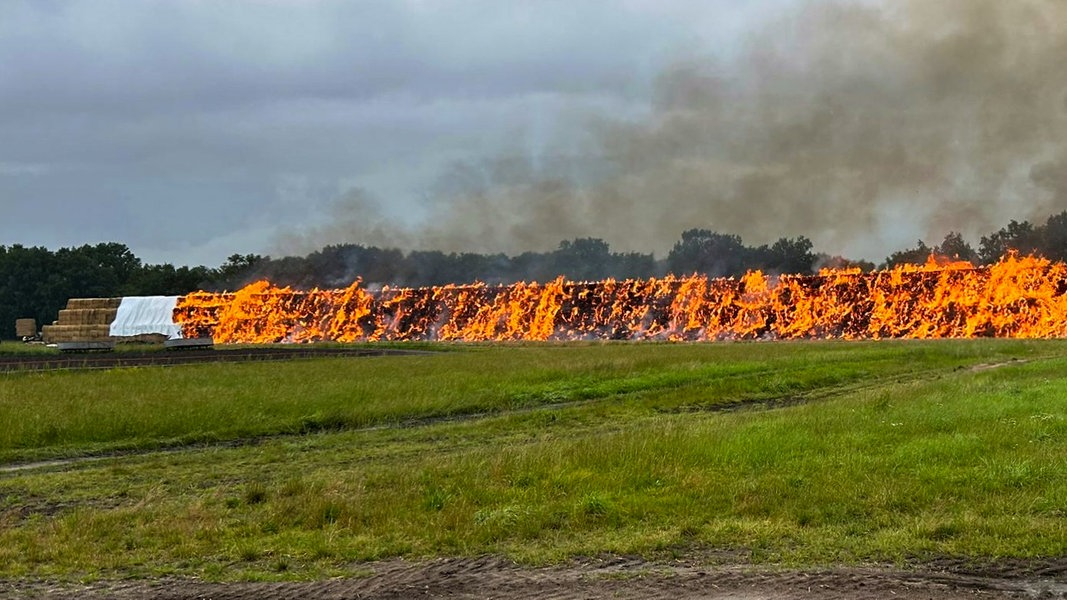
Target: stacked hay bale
(26, 328)
(84, 320)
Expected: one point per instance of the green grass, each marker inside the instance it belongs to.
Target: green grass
(72, 413)
(37, 349)
(9, 347)
(898, 451)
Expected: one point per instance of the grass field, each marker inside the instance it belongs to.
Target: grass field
(8, 347)
(799, 453)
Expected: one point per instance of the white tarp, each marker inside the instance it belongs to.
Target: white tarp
(146, 314)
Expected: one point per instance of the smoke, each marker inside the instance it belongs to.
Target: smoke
(354, 217)
(860, 125)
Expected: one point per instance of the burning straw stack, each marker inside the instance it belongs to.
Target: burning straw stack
(84, 320)
(1020, 297)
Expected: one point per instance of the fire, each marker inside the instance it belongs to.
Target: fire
(1023, 297)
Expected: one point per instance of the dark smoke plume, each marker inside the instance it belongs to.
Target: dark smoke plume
(862, 126)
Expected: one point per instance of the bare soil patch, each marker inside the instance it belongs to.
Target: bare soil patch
(613, 577)
(997, 365)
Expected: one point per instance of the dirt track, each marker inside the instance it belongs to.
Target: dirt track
(623, 578)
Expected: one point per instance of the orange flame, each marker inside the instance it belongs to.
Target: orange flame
(1016, 297)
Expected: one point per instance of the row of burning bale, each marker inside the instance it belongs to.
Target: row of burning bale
(678, 309)
(1014, 298)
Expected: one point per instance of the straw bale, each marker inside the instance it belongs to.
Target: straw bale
(87, 316)
(81, 329)
(76, 333)
(87, 303)
(59, 339)
(26, 327)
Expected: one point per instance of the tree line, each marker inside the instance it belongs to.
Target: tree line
(36, 282)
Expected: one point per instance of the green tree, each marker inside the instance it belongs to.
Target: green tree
(707, 252)
(584, 259)
(912, 256)
(238, 270)
(1016, 236)
(957, 248)
(792, 256)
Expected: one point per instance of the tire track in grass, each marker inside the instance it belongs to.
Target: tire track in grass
(816, 394)
(601, 577)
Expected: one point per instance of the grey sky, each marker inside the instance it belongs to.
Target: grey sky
(196, 129)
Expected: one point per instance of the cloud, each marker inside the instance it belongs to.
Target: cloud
(181, 127)
(861, 125)
(11, 169)
(173, 122)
